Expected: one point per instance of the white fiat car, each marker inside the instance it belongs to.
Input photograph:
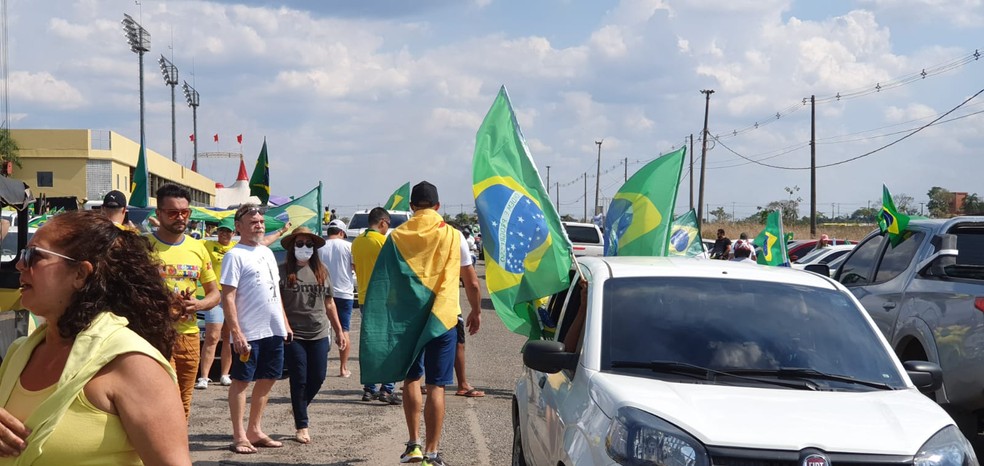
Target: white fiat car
(681, 362)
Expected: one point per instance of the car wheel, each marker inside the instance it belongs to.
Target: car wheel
(518, 456)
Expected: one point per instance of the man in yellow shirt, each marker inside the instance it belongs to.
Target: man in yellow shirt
(185, 263)
(365, 250)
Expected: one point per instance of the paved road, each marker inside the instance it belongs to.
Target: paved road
(347, 431)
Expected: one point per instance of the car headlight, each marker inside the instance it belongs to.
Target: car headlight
(638, 438)
(948, 447)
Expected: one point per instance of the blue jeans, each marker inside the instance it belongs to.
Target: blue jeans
(307, 363)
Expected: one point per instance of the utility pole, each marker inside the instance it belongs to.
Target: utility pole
(703, 152)
(557, 191)
(813, 166)
(597, 180)
(586, 195)
(548, 180)
(691, 171)
(626, 165)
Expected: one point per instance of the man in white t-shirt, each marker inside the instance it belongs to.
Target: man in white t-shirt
(258, 326)
(336, 254)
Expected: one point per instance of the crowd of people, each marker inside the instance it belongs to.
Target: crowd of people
(120, 306)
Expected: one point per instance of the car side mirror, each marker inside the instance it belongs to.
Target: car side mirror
(822, 269)
(548, 356)
(925, 375)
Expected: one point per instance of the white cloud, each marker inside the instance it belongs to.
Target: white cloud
(45, 89)
(609, 41)
(913, 111)
(963, 13)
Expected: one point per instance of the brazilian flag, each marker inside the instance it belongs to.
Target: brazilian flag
(770, 240)
(685, 237)
(259, 182)
(139, 194)
(400, 199)
(527, 253)
(890, 220)
(638, 220)
(412, 296)
(301, 211)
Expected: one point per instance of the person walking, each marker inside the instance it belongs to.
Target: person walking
(185, 264)
(365, 251)
(337, 256)
(68, 389)
(255, 315)
(305, 287)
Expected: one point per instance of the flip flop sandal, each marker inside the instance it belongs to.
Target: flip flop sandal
(471, 393)
(267, 442)
(242, 448)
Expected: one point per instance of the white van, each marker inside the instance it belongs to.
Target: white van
(586, 238)
(360, 221)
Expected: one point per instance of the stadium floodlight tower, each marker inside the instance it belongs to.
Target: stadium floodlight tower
(170, 73)
(191, 95)
(139, 40)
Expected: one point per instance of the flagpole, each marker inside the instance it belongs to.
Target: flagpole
(782, 241)
(567, 299)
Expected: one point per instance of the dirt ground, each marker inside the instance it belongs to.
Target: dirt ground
(348, 431)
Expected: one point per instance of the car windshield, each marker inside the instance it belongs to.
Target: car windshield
(582, 234)
(741, 325)
(360, 221)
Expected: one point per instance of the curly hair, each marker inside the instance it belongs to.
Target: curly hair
(126, 278)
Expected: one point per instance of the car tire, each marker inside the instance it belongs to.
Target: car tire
(518, 455)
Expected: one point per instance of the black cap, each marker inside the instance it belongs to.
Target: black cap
(424, 194)
(114, 200)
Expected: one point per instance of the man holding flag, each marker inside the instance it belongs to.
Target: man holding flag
(414, 336)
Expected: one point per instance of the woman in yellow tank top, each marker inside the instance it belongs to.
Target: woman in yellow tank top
(67, 391)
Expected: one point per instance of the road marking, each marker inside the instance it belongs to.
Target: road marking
(483, 454)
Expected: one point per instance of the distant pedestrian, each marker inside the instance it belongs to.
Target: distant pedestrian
(305, 287)
(743, 252)
(114, 208)
(337, 256)
(185, 264)
(743, 243)
(823, 242)
(365, 251)
(722, 246)
(255, 316)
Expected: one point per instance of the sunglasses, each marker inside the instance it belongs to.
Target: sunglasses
(30, 255)
(174, 214)
(250, 212)
(304, 244)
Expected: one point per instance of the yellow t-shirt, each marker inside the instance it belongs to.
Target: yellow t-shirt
(216, 251)
(185, 264)
(365, 250)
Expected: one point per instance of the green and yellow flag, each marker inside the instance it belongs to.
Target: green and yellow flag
(685, 237)
(527, 253)
(259, 183)
(302, 211)
(139, 195)
(412, 296)
(400, 199)
(772, 243)
(638, 221)
(890, 220)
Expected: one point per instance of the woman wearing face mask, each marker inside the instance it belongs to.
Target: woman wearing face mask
(306, 292)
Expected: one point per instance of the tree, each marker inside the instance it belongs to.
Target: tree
(940, 201)
(720, 215)
(9, 150)
(973, 205)
(905, 204)
(865, 215)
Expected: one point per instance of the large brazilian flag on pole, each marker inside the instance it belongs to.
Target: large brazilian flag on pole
(527, 253)
(639, 217)
(301, 211)
(772, 241)
(685, 237)
(400, 199)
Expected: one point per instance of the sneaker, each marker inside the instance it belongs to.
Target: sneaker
(433, 459)
(202, 384)
(225, 380)
(412, 454)
(368, 396)
(389, 397)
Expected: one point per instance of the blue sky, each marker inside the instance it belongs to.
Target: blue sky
(367, 95)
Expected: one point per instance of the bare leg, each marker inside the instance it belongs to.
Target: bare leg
(343, 356)
(459, 368)
(226, 356)
(237, 408)
(212, 332)
(257, 404)
(433, 417)
(412, 400)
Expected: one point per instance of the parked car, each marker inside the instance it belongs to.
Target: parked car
(926, 295)
(695, 363)
(360, 221)
(586, 238)
(799, 248)
(822, 255)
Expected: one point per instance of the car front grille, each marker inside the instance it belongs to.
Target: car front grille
(722, 456)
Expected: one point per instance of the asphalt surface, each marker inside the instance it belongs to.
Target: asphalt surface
(347, 431)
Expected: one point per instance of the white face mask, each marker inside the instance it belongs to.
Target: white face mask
(303, 254)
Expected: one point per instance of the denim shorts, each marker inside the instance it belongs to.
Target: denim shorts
(214, 315)
(436, 360)
(344, 307)
(266, 361)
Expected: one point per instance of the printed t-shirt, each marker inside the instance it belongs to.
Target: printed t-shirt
(304, 304)
(337, 256)
(253, 272)
(365, 250)
(185, 264)
(216, 251)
